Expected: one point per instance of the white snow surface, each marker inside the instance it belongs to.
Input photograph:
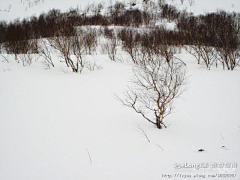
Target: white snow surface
(55, 124)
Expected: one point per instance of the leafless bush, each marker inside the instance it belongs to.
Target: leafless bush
(72, 45)
(229, 57)
(62, 42)
(5, 58)
(213, 38)
(92, 65)
(45, 52)
(108, 33)
(205, 54)
(170, 12)
(130, 41)
(111, 48)
(160, 42)
(32, 46)
(191, 2)
(79, 48)
(26, 58)
(90, 40)
(228, 39)
(12, 47)
(155, 86)
(196, 45)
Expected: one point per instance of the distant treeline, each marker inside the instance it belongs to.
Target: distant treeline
(45, 25)
(220, 29)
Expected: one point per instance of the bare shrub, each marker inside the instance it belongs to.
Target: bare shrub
(90, 40)
(130, 41)
(229, 57)
(207, 54)
(203, 52)
(213, 38)
(200, 42)
(62, 42)
(156, 84)
(73, 44)
(108, 33)
(227, 32)
(92, 65)
(26, 58)
(111, 48)
(45, 52)
(5, 58)
(169, 12)
(191, 2)
(12, 47)
(79, 48)
(161, 42)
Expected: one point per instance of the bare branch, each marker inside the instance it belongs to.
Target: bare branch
(89, 155)
(143, 133)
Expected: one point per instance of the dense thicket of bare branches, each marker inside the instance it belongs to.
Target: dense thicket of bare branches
(130, 42)
(169, 12)
(161, 41)
(212, 38)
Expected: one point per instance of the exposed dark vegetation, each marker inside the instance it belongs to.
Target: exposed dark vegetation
(212, 38)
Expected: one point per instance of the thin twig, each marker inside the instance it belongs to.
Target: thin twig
(65, 72)
(89, 155)
(222, 136)
(5, 58)
(159, 146)
(143, 133)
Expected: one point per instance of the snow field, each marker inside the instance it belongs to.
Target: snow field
(59, 125)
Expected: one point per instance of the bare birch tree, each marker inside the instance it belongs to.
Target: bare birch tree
(62, 41)
(155, 86)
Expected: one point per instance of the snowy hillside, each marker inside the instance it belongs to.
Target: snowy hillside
(12, 9)
(59, 125)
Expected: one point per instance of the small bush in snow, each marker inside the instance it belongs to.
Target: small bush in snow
(157, 82)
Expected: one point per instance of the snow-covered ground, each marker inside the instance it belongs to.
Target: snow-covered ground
(58, 125)
(12, 9)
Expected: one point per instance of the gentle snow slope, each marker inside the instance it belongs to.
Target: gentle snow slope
(50, 121)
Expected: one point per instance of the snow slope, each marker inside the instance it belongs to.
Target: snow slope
(55, 124)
